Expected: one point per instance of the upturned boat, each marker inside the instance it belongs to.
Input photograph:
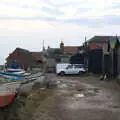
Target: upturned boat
(8, 92)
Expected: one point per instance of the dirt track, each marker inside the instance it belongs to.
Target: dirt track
(74, 98)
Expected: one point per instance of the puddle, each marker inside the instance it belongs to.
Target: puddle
(79, 95)
(96, 90)
(114, 106)
(62, 86)
(89, 91)
(78, 90)
(58, 82)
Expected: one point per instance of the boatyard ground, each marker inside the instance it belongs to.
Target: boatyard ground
(82, 97)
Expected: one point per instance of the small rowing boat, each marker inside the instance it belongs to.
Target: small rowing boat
(11, 76)
(8, 92)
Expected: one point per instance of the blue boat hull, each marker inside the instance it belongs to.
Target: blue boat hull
(11, 76)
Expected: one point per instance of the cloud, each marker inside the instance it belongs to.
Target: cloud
(112, 20)
(26, 23)
(52, 11)
(74, 11)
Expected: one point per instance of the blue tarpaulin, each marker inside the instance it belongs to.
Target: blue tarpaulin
(14, 65)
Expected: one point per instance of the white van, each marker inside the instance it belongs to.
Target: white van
(66, 68)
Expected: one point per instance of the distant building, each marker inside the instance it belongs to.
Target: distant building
(109, 47)
(24, 58)
(53, 56)
(60, 55)
(70, 50)
(38, 56)
(102, 42)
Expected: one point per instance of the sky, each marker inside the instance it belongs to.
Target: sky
(26, 23)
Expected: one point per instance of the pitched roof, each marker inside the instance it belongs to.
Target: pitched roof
(99, 39)
(71, 49)
(52, 52)
(37, 55)
(102, 38)
(23, 51)
(110, 40)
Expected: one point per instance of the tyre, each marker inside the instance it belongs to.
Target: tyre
(80, 72)
(62, 73)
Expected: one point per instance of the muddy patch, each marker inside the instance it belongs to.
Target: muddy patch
(76, 90)
(114, 106)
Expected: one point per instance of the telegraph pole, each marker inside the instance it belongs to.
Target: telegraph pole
(86, 54)
(43, 46)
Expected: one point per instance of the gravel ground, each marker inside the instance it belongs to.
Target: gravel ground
(68, 98)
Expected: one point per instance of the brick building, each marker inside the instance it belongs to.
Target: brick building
(24, 58)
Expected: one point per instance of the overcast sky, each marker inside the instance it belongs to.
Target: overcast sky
(26, 23)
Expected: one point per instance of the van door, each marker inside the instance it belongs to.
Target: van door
(69, 69)
(76, 69)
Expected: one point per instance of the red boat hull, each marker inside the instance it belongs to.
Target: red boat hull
(6, 99)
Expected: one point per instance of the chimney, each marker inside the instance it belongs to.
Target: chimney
(62, 45)
(48, 47)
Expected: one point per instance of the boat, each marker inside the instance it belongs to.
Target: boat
(6, 98)
(15, 70)
(9, 89)
(14, 67)
(11, 76)
(19, 73)
(8, 92)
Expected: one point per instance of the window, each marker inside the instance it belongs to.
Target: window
(78, 66)
(58, 60)
(69, 66)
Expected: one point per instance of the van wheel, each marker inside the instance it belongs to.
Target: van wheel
(80, 73)
(62, 73)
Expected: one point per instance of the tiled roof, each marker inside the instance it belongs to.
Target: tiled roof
(71, 49)
(102, 38)
(37, 55)
(22, 51)
(99, 39)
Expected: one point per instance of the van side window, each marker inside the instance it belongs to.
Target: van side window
(70, 66)
(78, 66)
